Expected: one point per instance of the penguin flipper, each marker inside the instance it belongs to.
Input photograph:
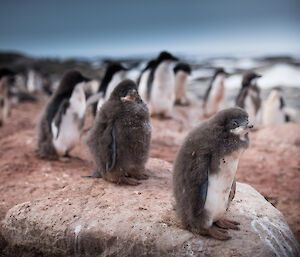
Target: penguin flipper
(200, 185)
(113, 148)
(58, 117)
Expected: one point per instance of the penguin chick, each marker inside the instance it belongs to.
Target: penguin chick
(182, 71)
(274, 109)
(214, 94)
(114, 74)
(249, 97)
(62, 120)
(6, 82)
(204, 172)
(161, 86)
(119, 140)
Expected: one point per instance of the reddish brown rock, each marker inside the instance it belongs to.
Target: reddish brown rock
(95, 218)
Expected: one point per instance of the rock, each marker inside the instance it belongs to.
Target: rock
(97, 218)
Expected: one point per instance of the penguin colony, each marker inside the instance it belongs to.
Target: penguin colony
(119, 139)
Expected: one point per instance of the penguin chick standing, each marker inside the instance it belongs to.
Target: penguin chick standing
(214, 94)
(114, 74)
(249, 97)
(273, 111)
(62, 120)
(119, 140)
(182, 71)
(204, 172)
(142, 81)
(6, 81)
(161, 86)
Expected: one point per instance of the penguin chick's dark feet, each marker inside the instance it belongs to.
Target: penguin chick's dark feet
(218, 233)
(227, 224)
(139, 175)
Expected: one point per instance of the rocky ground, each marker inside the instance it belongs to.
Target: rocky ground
(271, 165)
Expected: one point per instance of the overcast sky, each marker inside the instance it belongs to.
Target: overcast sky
(120, 28)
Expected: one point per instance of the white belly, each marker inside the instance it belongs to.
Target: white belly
(216, 96)
(143, 85)
(180, 87)
(272, 114)
(219, 187)
(70, 129)
(163, 90)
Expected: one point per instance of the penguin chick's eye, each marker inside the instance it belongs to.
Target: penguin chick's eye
(123, 92)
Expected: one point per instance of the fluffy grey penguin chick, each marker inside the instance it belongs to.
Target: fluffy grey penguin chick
(119, 140)
(204, 172)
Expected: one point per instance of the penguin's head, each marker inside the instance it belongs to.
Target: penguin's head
(220, 72)
(70, 80)
(150, 65)
(235, 121)
(126, 91)
(182, 67)
(250, 79)
(10, 74)
(166, 56)
(114, 68)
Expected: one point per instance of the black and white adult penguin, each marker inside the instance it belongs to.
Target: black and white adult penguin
(214, 95)
(114, 74)
(249, 97)
(204, 172)
(120, 137)
(274, 112)
(142, 81)
(62, 120)
(182, 71)
(161, 86)
(6, 82)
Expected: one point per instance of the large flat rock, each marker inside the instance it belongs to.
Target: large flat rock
(97, 218)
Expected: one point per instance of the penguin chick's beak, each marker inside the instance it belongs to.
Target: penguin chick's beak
(246, 125)
(250, 126)
(131, 96)
(242, 129)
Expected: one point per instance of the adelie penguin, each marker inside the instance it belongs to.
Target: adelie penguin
(142, 81)
(182, 71)
(214, 95)
(274, 110)
(7, 78)
(161, 86)
(204, 172)
(119, 140)
(114, 74)
(249, 97)
(62, 120)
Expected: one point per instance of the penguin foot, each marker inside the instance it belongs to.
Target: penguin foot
(64, 159)
(139, 176)
(218, 233)
(227, 224)
(127, 181)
